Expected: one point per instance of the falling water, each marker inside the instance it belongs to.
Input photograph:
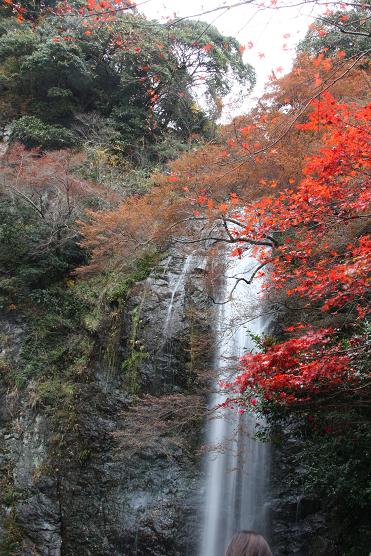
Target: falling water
(237, 465)
(177, 286)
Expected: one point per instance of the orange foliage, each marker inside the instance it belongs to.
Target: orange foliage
(49, 185)
(121, 236)
(245, 163)
(246, 159)
(322, 255)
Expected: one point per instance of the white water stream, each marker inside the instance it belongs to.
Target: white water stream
(178, 285)
(237, 466)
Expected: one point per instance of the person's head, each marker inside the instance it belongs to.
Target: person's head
(248, 543)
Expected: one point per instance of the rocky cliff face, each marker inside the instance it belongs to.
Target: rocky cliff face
(89, 479)
(106, 475)
(299, 524)
(301, 521)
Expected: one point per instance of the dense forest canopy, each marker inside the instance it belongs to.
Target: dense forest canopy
(67, 76)
(111, 152)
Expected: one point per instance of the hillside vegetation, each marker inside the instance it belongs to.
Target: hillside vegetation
(112, 153)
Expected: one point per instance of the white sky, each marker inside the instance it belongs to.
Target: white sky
(265, 28)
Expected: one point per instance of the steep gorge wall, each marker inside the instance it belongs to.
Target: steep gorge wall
(105, 475)
(80, 480)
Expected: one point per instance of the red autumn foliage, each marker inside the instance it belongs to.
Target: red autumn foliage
(305, 199)
(322, 255)
(50, 185)
(332, 197)
(297, 369)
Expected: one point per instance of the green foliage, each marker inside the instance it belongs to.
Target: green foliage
(170, 148)
(84, 456)
(223, 54)
(56, 346)
(326, 36)
(20, 40)
(56, 350)
(33, 9)
(52, 75)
(11, 540)
(120, 283)
(131, 367)
(334, 462)
(62, 319)
(53, 392)
(262, 341)
(30, 255)
(9, 495)
(33, 132)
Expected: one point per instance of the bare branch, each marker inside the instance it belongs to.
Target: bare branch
(261, 242)
(247, 281)
(28, 200)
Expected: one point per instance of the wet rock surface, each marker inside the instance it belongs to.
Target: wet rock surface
(82, 480)
(164, 312)
(298, 523)
(68, 487)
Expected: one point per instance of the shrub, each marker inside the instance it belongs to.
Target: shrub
(33, 132)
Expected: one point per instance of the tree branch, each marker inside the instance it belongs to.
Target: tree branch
(247, 281)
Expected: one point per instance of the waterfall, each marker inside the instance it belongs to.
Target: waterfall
(237, 465)
(178, 285)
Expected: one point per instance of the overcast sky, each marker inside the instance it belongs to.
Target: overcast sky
(273, 33)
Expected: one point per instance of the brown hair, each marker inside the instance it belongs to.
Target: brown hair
(248, 543)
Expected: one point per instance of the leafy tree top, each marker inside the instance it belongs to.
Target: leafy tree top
(146, 78)
(347, 31)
